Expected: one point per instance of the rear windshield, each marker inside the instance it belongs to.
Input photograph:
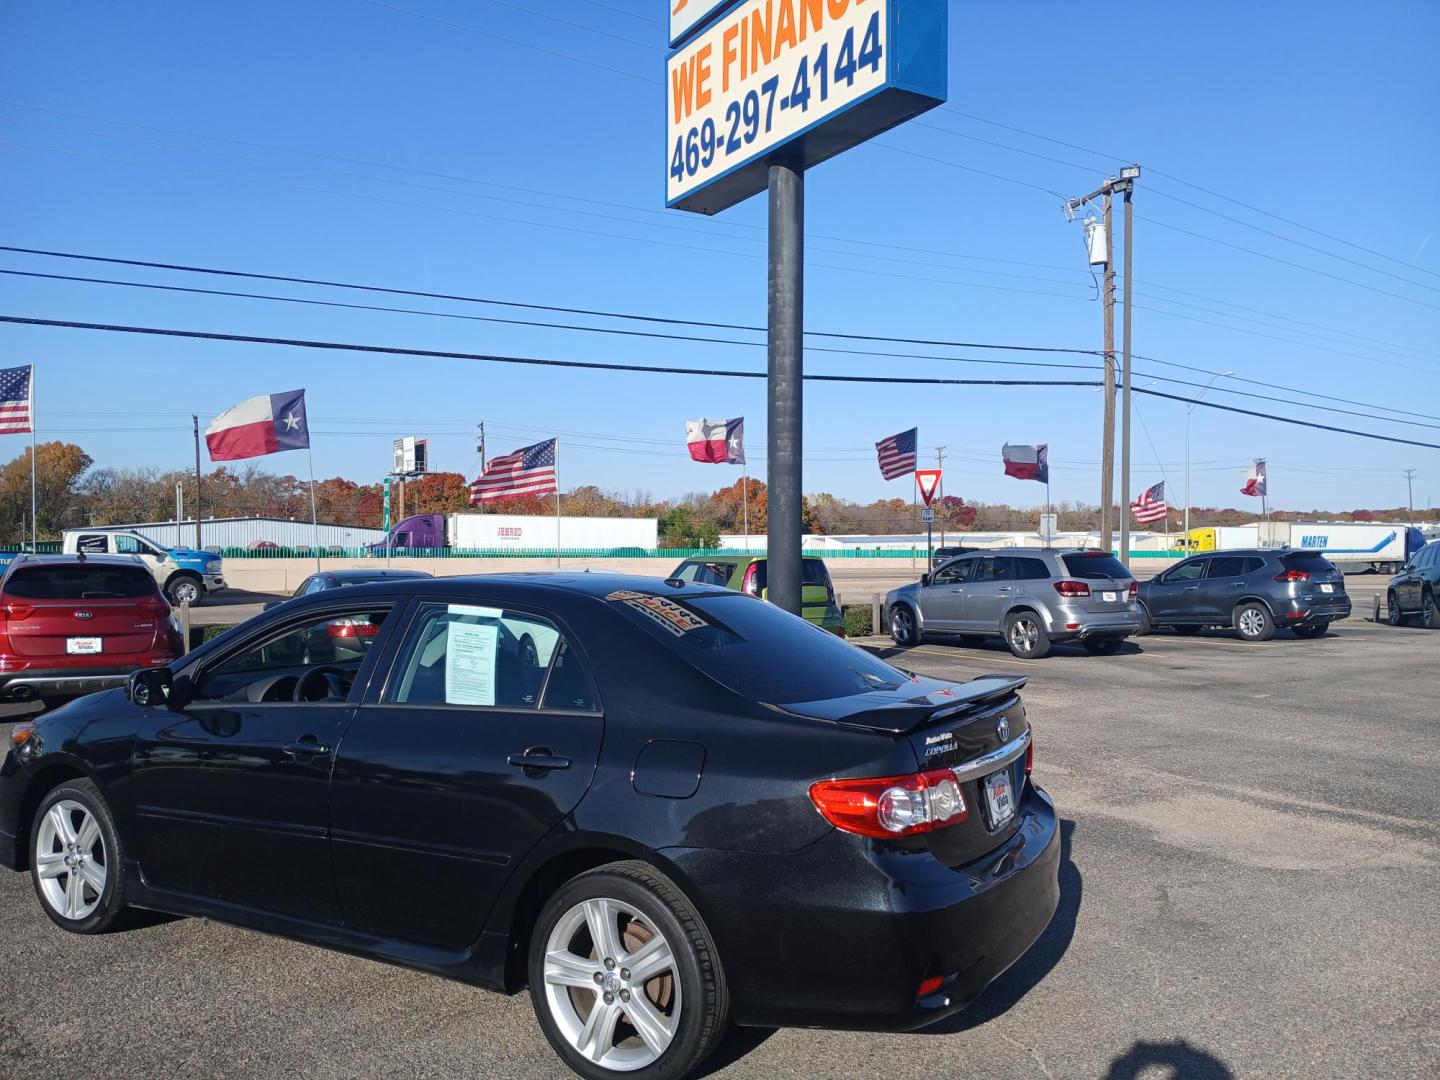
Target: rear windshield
(80, 583)
(1091, 567)
(1309, 561)
(757, 650)
(705, 572)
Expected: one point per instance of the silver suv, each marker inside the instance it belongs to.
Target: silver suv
(1030, 597)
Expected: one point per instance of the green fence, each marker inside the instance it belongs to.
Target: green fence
(839, 555)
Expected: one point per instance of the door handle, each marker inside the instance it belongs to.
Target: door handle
(957, 589)
(306, 746)
(538, 758)
(1192, 588)
(1003, 588)
(1237, 585)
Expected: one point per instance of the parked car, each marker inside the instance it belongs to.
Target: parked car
(749, 574)
(73, 624)
(186, 575)
(945, 554)
(1415, 591)
(1030, 597)
(687, 807)
(1252, 591)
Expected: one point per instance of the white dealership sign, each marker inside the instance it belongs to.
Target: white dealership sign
(803, 78)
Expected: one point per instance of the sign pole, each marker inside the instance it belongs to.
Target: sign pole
(34, 500)
(786, 302)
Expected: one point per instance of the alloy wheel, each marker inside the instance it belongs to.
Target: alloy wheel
(1392, 609)
(185, 592)
(1252, 622)
(1024, 634)
(70, 860)
(612, 985)
(902, 625)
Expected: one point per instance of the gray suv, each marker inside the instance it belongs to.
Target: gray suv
(1030, 597)
(1254, 591)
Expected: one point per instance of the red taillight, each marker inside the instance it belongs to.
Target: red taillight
(156, 606)
(18, 611)
(1293, 575)
(891, 806)
(1030, 756)
(930, 986)
(1072, 588)
(747, 586)
(352, 628)
(1134, 589)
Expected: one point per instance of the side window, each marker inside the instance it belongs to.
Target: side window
(1030, 570)
(988, 569)
(93, 544)
(316, 584)
(705, 573)
(1253, 564)
(128, 545)
(270, 669)
(464, 654)
(954, 572)
(1188, 571)
(1227, 566)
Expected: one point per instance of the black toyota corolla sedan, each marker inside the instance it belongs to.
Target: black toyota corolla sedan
(660, 806)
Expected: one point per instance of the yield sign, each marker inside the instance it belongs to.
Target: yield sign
(929, 480)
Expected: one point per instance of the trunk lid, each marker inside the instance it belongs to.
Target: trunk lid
(1106, 577)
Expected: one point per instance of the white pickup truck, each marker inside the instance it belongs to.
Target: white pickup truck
(187, 576)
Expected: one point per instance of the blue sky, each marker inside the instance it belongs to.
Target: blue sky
(537, 165)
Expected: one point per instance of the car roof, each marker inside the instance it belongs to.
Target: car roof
(532, 585)
(732, 558)
(78, 559)
(377, 574)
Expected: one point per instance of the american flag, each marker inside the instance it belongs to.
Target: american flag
(15, 414)
(897, 454)
(1150, 506)
(528, 471)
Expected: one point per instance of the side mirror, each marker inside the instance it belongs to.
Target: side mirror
(924, 579)
(270, 604)
(149, 687)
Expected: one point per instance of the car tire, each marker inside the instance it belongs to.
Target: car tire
(1253, 622)
(904, 628)
(1187, 629)
(1429, 611)
(1315, 630)
(1146, 626)
(77, 861)
(685, 998)
(1025, 635)
(1393, 615)
(1102, 646)
(185, 589)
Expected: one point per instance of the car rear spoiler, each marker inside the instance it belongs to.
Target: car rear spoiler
(914, 714)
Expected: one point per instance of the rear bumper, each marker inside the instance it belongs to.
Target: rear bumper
(1305, 613)
(33, 683)
(1077, 625)
(843, 933)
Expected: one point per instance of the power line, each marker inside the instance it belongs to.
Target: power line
(665, 336)
(629, 316)
(893, 380)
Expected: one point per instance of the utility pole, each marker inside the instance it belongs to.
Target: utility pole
(1128, 177)
(195, 425)
(940, 464)
(480, 445)
(786, 303)
(1410, 487)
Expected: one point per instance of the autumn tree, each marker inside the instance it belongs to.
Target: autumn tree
(59, 467)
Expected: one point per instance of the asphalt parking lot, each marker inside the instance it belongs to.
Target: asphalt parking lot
(1251, 887)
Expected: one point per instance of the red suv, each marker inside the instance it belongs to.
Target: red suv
(74, 624)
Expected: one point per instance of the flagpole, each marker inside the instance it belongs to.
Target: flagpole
(34, 502)
(557, 504)
(314, 516)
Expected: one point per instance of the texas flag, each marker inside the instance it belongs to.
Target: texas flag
(262, 425)
(1255, 480)
(1027, 462)
(720, 442)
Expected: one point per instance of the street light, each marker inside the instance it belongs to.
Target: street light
(1190, 408)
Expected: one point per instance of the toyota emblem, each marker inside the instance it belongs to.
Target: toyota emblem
(1002, 729)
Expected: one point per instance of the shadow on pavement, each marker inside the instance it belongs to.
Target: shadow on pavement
(1005, 992)
(1176, 1060)
(738, 1042)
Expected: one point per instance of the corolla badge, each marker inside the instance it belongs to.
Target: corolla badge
(1002, 729)
(84, 614)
